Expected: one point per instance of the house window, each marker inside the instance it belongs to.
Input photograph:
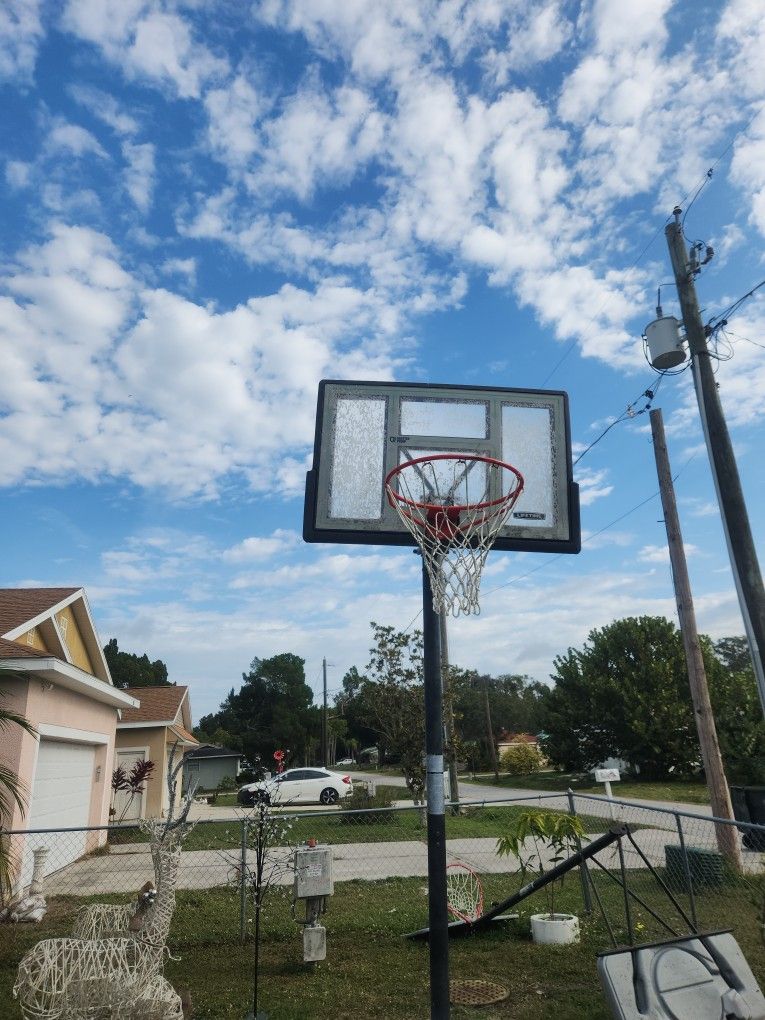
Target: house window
(63, 623)
(30, 637)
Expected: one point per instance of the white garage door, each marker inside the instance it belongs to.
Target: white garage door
(60, 800)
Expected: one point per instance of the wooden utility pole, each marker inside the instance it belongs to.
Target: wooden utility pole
(450, 732)
(719, 795)
(738, 533)
(489, 730)
(324, 749)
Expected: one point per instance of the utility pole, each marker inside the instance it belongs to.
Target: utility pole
(324, 761)
(719, 795)
(730, 497)
(489, 730)
(450, 733)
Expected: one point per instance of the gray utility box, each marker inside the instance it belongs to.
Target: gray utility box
(696, 977)
(314, 943)
(313, 872)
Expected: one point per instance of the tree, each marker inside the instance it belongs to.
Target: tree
(521, 760)
(11, 790)
(514, 703)
(272, 709)
(738, 713)
(393, 701)
(130, 670)
(626, 694)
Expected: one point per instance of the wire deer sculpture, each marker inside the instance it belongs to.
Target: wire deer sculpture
(112, 965)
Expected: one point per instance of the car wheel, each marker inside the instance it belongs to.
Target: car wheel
(329, 796)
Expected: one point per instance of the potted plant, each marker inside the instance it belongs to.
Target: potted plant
(540, 839)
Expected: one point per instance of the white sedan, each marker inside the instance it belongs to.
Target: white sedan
(298, 786)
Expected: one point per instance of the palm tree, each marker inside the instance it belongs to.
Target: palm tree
(11, 791)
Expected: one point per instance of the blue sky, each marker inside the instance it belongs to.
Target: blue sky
(208, 207)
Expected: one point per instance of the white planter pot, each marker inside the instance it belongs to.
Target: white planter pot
(558, 930)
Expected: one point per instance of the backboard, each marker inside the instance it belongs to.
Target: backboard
(365, 429)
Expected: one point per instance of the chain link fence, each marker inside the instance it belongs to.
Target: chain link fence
(682, 870)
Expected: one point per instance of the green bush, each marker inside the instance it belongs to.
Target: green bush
(361, 801)
(226, 785)
(521, 760)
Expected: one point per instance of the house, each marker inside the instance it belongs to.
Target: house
(207, 765)
(56, 676)
(507, 740)
(148, 732)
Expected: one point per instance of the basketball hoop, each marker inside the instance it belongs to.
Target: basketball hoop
(454, 506)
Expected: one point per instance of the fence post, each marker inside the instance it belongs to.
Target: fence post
(584, 874)
(686, 869)
(243, 885)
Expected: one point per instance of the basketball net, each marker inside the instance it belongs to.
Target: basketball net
(454, 537)
(464, 893)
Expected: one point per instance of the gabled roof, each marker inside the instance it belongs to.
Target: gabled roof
(19, 606)
(21, 609)
(212, 751)
(159, 706)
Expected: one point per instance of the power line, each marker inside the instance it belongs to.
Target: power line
(698, 189)
(549, 560)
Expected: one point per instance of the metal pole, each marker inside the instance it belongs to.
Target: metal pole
(451, 734)
(324, 761)
(584, 874)
(730, 496)
(243, 885)
(687, 870)
(438, 919)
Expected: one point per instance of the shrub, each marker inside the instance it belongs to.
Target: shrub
(521, 760)
(226, 785)
(362, 801)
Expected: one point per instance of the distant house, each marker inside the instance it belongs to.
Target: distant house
(508, 740)
(208, 764)
(149, 731)
(58, 679)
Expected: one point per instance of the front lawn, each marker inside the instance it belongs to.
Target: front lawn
(550, 782)
(372, 971)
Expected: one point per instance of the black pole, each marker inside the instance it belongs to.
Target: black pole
(438, 917)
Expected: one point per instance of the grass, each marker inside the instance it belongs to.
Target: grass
(328, 828)
(371, 970)
(549, 782)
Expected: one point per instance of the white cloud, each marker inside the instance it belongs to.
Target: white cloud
(113, 377)
(21, 32)
(146, 42)
(139, 177)
(592, 485)
(74, 139)
(257, 548)
(660, 553)
(106, 108)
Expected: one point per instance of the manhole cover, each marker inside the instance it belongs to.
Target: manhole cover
(476, 993)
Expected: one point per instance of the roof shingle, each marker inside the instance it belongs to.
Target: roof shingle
(18, 605)
(16, 650)
(158, 704)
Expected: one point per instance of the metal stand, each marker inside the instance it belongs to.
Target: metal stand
(438, 917)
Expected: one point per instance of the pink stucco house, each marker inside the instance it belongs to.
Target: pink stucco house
(54, 673)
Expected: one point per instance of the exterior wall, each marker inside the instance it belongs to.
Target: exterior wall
(61, 710)
(153, 738)
(211, 771)
(67, 622)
